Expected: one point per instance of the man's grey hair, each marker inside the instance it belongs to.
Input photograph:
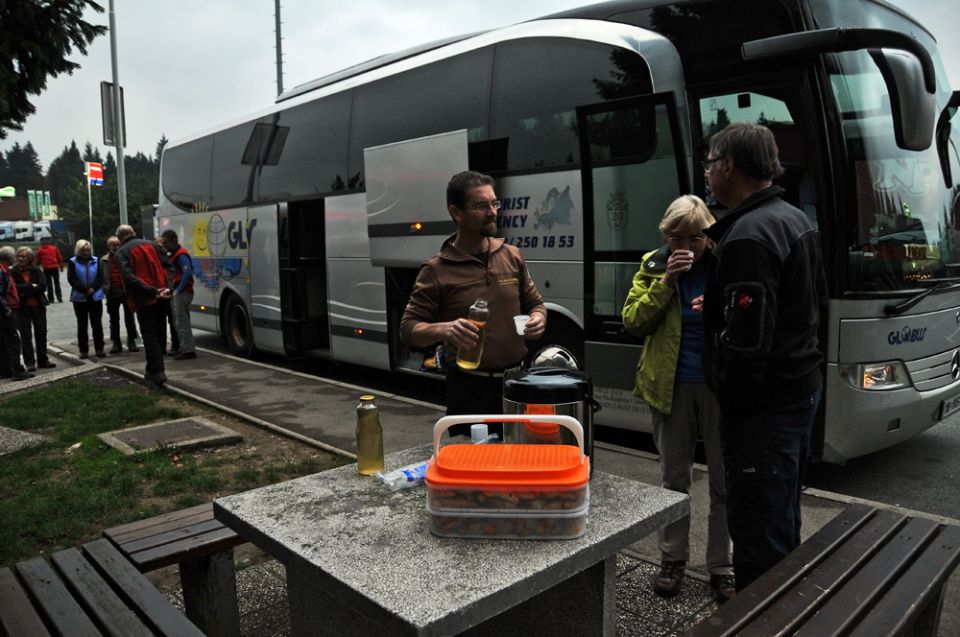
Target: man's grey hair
(7, 254)
(124, 231)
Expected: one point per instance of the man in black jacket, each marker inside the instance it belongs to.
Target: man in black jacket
(763, 302)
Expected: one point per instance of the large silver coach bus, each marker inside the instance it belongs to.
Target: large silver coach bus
(308, 221)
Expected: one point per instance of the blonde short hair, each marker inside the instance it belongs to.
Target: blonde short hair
(80, 245)
(27, 250)
(686, 211)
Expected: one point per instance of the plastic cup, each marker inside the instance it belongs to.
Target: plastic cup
(520, 320)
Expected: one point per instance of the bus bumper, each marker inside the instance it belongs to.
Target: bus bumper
(859, 422)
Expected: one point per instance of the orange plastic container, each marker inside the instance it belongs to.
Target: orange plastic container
(508, 490)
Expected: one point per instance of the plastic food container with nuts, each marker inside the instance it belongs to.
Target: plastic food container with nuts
(508, 491)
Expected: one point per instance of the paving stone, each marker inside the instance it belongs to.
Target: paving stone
(183, 433)
(14, 440)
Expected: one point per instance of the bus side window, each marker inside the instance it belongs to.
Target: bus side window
(717, 111)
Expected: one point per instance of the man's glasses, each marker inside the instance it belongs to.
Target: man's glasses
(484, 206)
(707, 163)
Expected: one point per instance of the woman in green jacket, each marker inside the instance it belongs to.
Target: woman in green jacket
(665, 307)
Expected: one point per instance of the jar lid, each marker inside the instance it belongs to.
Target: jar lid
(547, 385)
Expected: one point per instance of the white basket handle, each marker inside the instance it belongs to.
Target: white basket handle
(448, 421)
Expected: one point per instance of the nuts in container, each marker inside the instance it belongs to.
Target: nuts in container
(508, 490)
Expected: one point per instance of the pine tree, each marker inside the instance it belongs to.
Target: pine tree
(35, 39)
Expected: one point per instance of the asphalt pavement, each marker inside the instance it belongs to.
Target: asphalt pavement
(321, 411)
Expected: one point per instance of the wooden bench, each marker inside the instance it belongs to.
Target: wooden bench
(866, 573)
(203, 548)
(85, 592)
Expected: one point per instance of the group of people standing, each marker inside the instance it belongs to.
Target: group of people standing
(150, 282)
(729, 311)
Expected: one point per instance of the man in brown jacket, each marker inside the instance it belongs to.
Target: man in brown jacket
(474, 264)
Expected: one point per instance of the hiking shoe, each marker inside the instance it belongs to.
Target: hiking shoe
(157, 379)
(31, 368)
(46, 365)
(132, 346)
(117, 348)
(667, 583)
(101, 353)
(173, 352)
(21, 375)
(724, 588)
(84, 355)
(182, 356)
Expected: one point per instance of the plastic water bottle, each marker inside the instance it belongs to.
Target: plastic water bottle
(369, 437)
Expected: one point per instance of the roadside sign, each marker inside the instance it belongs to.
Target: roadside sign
(8, 191)
(109, 117)
(32, 203)
(47, 210)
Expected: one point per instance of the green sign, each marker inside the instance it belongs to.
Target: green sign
(8, 191)
(47, 210)
(32, 202)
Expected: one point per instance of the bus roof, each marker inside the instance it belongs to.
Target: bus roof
(369, 65)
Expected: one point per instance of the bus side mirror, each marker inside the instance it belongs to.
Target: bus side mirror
(914, 110)
(943, 136)
(906, 66)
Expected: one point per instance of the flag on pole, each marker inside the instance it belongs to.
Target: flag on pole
(95, 173)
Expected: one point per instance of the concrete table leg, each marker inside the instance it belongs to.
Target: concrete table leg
(584, 604)
(210, 594)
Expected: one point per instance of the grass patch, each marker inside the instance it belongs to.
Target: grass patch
(56, 495)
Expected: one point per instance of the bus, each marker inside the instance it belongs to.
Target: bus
(308, 221)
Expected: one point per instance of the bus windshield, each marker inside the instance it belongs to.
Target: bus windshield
(904, 231)
(903, 219)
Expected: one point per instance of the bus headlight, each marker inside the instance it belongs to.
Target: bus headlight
(876, 376)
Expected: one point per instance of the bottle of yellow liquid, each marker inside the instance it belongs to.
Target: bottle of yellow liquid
(369, 437)
(479, 314)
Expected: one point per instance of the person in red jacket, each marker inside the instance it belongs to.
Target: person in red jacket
(10, 366)
(51, 261)
(146, 279)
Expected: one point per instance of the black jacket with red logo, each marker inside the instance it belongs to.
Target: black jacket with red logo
(765, 295)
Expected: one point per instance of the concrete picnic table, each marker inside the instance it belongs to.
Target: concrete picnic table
(361, 560)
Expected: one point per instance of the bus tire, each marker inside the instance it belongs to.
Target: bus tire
(237, 329)
(560, 333)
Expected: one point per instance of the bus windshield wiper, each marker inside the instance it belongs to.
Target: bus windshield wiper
(894, 310)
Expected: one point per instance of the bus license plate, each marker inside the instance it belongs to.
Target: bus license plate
(949, 406)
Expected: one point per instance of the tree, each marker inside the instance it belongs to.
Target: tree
(64, 173)
(23, 170)
(160, 146)
(36, 36)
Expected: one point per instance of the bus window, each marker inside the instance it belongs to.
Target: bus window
(231, 182)
(311, 157)
(717, 111)
(538, 83)
(437, 98)
(899, 236)
(183, 183)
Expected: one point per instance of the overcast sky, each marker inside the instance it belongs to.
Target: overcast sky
(188, 66)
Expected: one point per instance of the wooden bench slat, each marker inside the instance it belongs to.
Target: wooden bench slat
(914, 589)
(157, 610)
(848, 606)
(219, 539)
(158, 524)
(802, 600)
(169, 537)
(753, 600)
(60, 610)
(87, 585)
(17, 616)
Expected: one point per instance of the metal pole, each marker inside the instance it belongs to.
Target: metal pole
(89, 203)
(117, 122)
(276, 4)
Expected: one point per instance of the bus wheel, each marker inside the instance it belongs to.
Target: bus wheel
(237, 329)
(561, 344)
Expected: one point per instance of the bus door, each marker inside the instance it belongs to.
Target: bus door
(633, 165)
(303, 276)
